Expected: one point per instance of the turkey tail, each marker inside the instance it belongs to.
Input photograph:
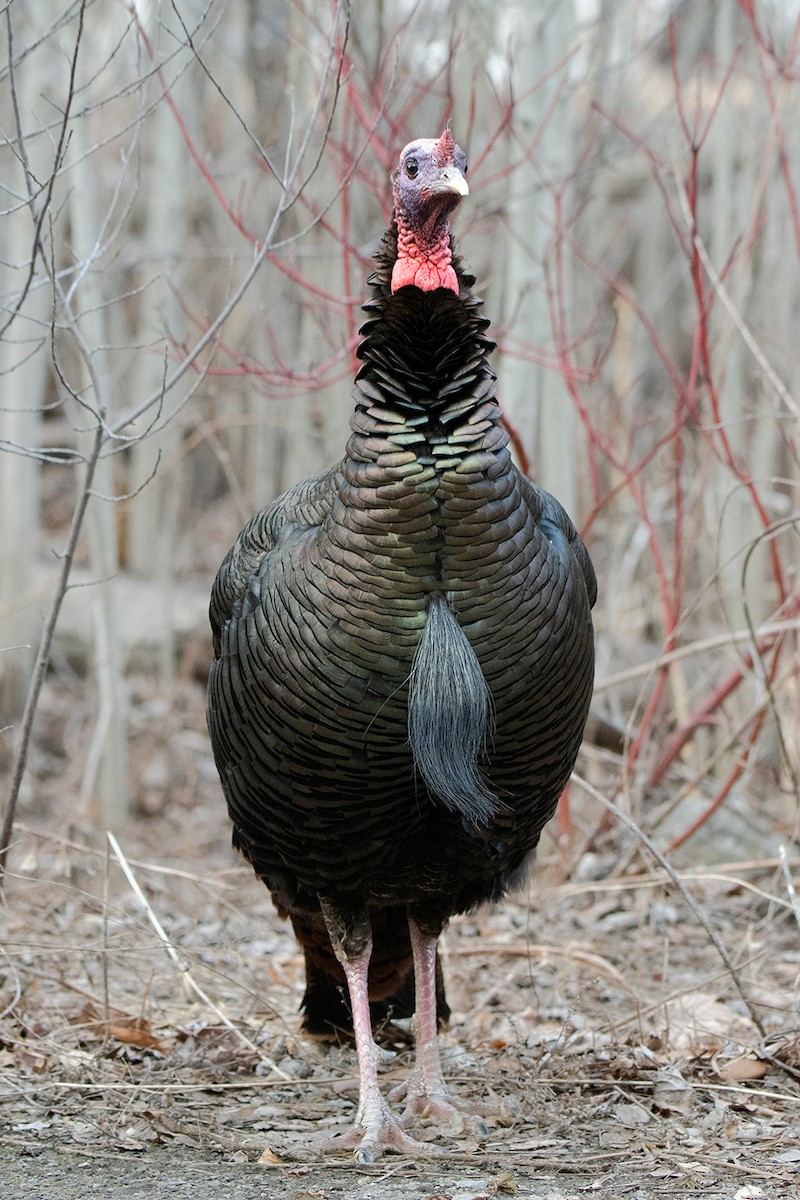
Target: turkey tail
(450, 716)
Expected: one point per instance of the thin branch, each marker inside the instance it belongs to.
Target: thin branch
(189, 981)
(794, 900)
(692, 904)
(771, 375)
(61, 148)
(263, 251)
(43, 654)
(764, 633)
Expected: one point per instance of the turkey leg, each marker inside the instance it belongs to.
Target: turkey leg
(375, 1128)
(427, 1094)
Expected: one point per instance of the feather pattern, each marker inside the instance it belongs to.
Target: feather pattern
(319, 608)
(404, 658)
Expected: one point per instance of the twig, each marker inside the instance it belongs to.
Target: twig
(104, 963)
(701, 716)
(769, 371)
(262, 249)
(790, 888)
(584, 958)
(15, 999)
(156, 868)
(716, 641)
(183, 967)
(43, 655)
(688, 897)
(61, 147)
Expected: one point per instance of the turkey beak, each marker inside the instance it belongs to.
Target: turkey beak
(450, 180)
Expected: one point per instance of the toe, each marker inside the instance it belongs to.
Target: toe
(369, 1142)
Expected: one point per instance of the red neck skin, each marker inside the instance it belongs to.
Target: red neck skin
(424, 257)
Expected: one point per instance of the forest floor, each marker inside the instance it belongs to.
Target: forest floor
(594, 1016)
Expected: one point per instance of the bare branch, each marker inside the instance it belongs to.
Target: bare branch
(190, 982)
(39, 217)
(43, 655)
(692, 904)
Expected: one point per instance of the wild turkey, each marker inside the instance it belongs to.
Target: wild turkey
(404, 661)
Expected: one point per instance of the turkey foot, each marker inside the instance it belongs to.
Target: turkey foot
(376, 1130)
(432, 1101)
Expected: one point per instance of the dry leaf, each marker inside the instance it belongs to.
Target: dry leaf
(505, 1184)
(740, 1069)
(135, 1031)
(30, 1060)
(631, 1115)
(787, 1156)
(671, 1092)
(268, 1158)
(694, 1168)
(699, 1021)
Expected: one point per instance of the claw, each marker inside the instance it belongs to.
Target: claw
(375, 1128)
(445, 1110)
(369, 1139)
(426, 1092)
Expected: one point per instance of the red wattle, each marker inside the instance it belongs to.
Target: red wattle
(424, 274)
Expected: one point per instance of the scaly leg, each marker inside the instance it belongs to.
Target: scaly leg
(375, 1129)
(427, 1094)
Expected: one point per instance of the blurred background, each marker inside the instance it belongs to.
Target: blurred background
(191, 193)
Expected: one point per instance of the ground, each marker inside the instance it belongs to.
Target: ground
(149, 1035)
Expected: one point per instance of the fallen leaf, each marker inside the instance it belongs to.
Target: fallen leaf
(134, 1031)
(268, 1158)
(129, 1144)
(631, 1115)
(29, 1060)
(671, 1092)
(698, 1021)
(505, 1184)
(694, 1168)
(787, 1156)
(746, 1067)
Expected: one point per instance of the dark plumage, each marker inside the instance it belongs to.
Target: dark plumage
(404, 660)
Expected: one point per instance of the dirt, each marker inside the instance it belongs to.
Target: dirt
(149, 1040)
(203, 1176)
